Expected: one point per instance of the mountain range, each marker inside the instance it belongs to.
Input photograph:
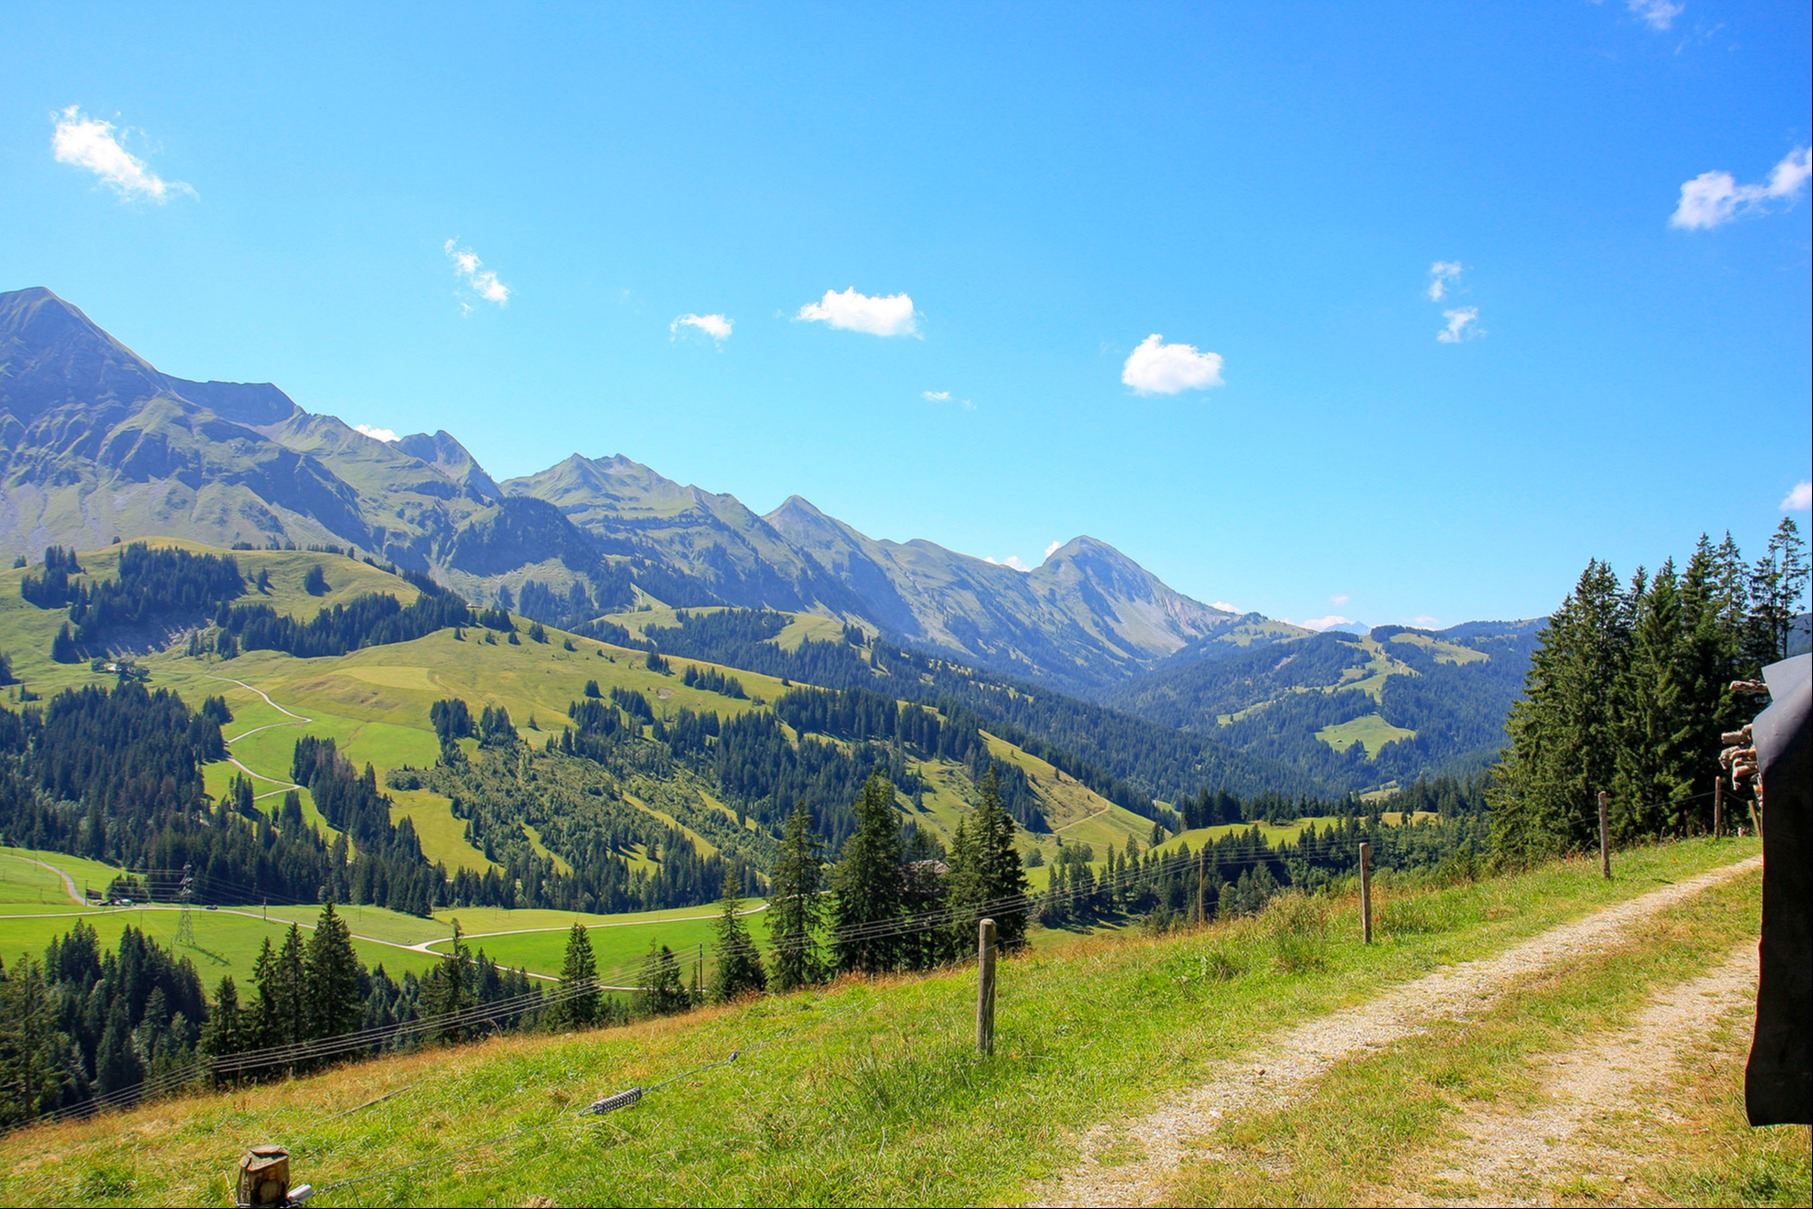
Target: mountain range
(99, 444)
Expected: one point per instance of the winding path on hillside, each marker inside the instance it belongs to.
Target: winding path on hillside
(282, 785)
(1285, 1068)
(69, 883)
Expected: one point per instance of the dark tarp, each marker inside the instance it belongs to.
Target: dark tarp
(1778, 1083)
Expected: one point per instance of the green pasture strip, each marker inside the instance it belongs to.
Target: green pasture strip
(226, 940)
(1374, 1129)
(443, 836)
(865, 1092)
(24, 883)
(1369, 730)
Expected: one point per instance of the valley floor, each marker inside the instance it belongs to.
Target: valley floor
(1548, 1038)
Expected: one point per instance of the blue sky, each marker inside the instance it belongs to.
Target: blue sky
(1267, 189)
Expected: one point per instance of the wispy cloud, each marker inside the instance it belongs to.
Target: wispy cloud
(1463, 324)
(715, 326)
(90, 143)
(1712, 199)
(1799, 499)
(1424, 620)
(1324, 623)
(878, 315)
(387, 435)
(1157, 368)
(945, 396)
(1053, 548)
(1225, 607)
(1657, 14)
(482, 282)
(1012, 562)
(1440, 274)
(1338, 599)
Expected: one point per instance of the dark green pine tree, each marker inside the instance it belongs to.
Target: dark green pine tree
(448, 990)
(116, 1063)
(867, 882)
(1563, 731)
(334, 1005)
(1778, 583)
(662, 991)
(739, 969)
(579, 969)
(1004, 888)
(965, 890)
(32, 1077)
(795, 908)
(227, 1023)
(1657, 727)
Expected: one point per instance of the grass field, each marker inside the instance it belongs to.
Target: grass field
(1369, 730)
(872, 1092)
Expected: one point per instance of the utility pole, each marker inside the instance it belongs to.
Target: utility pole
(1605, 846)
(1718, 806)
(1202, 861)
(1365, 892)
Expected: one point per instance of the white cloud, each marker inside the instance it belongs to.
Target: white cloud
(1424, 620)
(91, 143)
(944, 396)
(715, 326)
(1712, 199)
(1799, 499)
(1440, 274)
(1657, 14)
(1053, 548)
(480, 280)
(1338, 599)
(1225, 607)
(1323, 623)
(1012, 561)
(386, 435)
(1157, 368)
(882, 315)
(1462, 323)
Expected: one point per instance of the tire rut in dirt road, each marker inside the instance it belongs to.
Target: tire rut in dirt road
(1283, 1068)
(1507, 1155)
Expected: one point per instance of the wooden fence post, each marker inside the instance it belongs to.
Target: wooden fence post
(985, 987)
(1718, 805)
(1365, 892)
(1605, 844)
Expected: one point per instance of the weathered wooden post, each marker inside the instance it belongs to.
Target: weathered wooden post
(264, 1176)
(985, 987)
(1365, 892)
(1718, 806)
(1605, 843)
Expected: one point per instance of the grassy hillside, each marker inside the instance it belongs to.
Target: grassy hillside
(872, 1092)
(375, 704)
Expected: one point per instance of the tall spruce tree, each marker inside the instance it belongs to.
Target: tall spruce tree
(226, 1030)
(1563, 735)
(1656, 729)
(662, 991)
(795, 908)
(334, 1002)
(867, 882)
(579, 968)
(1004, 888)
(739, 969)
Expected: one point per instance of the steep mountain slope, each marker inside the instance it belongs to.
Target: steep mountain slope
(101, 444)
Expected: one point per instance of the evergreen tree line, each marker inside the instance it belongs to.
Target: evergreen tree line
(370, 619)
(1629, 693)
(51, 589)
(82, 1025)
